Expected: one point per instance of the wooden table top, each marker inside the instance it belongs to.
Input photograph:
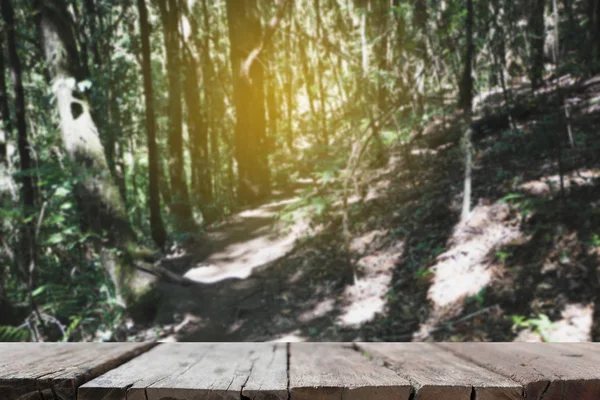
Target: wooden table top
(302, 371)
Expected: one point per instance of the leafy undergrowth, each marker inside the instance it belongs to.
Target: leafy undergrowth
(523, 267)
(536, 279)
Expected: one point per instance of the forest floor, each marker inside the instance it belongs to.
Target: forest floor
(524, 266)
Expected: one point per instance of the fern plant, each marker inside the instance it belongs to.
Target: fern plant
(13, 334)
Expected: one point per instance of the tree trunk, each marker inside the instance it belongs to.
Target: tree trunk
(537, 32)
(214, 103)
(5, 114)
(245, 34)
(320, 70)
(467, 148)
(198, 136)
(271, 102)
(420, 16)
(381, 24)
(308, 83)
(159, 235)
(89, 9)
(181, 205)
(289, 83)
(6, 181)
(98, 196)
(465, 100)
(27, 188)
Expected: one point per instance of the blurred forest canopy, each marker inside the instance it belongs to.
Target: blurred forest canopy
(129, 126)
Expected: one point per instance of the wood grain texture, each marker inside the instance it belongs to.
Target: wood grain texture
(436, 374)
(323, 371)
(196, 371)
(547, 371)
(50, 371)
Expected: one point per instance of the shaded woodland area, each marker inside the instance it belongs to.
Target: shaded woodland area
(299, 169)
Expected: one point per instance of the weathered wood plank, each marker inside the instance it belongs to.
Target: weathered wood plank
(323, 371)
(547, 371)
(131, 379)
(48, 371)
(197, 371)
(436, 374)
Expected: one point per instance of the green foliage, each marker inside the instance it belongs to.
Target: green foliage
(478, 298)
(423, 272)
(595, 241)
(540, 324)
(72, 287)
(413, 70)
(525, 205)
(13, 334)
(503, 256)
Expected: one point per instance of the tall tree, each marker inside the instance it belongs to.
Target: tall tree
(465, 99)
(4, 110)
(5, 178)
(537, 36)
(465, 102)
(180, 205)
(27, 189)
(420, 17)
(198, 115)
(289, 82)
(213, 96)
(156, 223)
(320, 71)
(381, 23)
(101, 205)
(90, 15)
(245, 35)
(198, 136)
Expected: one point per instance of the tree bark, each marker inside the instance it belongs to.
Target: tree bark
(466, 205)
(214, 102)
(97, 193)
(198, 116)
(465, 100)
(181, 203)
(320, 70)
(89, 9)
(159, 235)
(537, 32)
(198, 136)
(381, 24)
(289, 84)
(27, 188)
(308, 82)
(245, 34)
(271, 101)
(4, 113)
(6, 182)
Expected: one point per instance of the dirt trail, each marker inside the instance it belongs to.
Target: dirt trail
(233, 289)
(256, 282)
(251, 239)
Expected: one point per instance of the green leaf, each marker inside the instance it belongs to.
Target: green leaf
(66, 206)
(61, 192)
(55, 238)
(39, 290)
(13, 334)
(512, 196)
